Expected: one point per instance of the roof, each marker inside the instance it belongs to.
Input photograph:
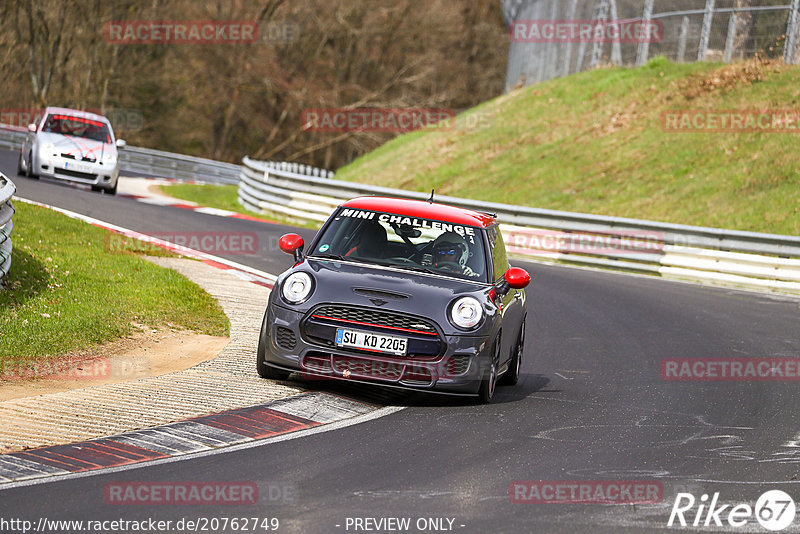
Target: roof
(422, 210)
(75, 113)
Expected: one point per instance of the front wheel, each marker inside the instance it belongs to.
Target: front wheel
(20, 170)
(105, 190)
(488, 384)
(264, 370)
(29, 168)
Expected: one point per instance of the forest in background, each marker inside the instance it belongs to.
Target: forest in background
(223, 101)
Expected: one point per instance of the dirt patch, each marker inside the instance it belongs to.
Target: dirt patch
(146, 353)
(728, 77)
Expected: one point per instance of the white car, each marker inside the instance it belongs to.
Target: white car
(72, 145)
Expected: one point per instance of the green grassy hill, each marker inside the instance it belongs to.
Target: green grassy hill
(594, 143)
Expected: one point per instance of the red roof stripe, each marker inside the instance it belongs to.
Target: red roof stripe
(422, 210)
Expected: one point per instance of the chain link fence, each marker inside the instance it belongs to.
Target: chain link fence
(552, 38)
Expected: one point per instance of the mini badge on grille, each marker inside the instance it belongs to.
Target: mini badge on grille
(346, 373)
(379, 302)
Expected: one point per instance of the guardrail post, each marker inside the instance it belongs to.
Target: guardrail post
(644, 44)
(732, 22)
(682, 39)
(705, 36)
(790, 46)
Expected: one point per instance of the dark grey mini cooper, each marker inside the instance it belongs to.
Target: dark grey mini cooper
(402, 293)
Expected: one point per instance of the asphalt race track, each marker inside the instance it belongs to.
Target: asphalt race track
(591, 405)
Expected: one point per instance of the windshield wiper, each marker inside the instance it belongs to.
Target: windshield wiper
(336, 257)
(414, 268)
(328, 257)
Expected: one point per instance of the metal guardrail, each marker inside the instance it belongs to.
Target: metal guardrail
(177, 166)
(169, 165)
(11, 137)
(7, 190)
(672, 250)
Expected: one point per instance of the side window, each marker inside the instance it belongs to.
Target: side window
(499, 258)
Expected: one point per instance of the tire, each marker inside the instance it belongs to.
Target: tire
(20, 170)
(265, 371)
(511, 376)
(489, 383)
(105, 190)
(29, 168)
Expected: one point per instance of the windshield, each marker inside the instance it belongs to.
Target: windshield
(404, 242)
(77, 127)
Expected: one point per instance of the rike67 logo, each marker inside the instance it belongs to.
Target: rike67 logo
(774, 511)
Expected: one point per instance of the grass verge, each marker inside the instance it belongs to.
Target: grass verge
(67, 292)
(594, 143)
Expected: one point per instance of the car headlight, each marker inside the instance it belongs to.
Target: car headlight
(466, 312)
(297, 287)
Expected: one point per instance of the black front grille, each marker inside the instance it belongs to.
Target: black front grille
(76, 174)
(317, 361)
(373, 369)
(84, 158)
(285, 338)
(374, 318)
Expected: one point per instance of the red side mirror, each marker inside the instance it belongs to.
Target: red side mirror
(517, 278)
(290, 243)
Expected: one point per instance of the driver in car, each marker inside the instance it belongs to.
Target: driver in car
(451, 252)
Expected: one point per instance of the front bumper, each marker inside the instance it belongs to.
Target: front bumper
(84, 172)
(457, 368)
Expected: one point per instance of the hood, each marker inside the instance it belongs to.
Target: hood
(80, 147)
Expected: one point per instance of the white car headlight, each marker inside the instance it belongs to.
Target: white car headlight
(466, 312)
(297, 287)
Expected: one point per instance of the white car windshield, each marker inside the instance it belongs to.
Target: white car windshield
(77, 127)
(404, 242)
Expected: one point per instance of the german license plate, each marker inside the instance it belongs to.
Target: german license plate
(374, 342)
(80, 167)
